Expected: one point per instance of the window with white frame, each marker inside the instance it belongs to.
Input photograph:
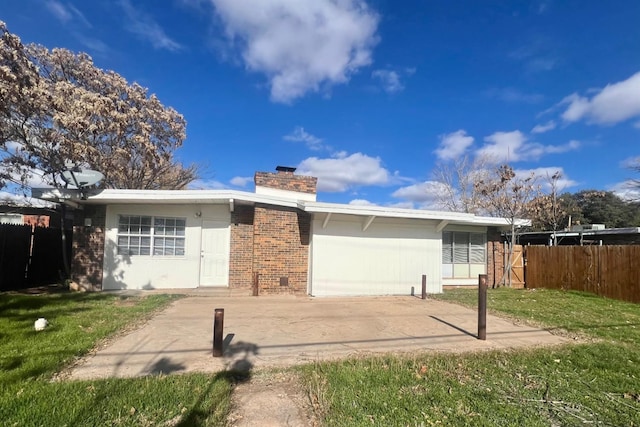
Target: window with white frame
(464, 254)
(147, 235)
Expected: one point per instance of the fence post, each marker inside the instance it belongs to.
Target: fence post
(218, 327)
(482, 307)
(424, 286)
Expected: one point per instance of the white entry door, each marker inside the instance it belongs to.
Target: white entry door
(214, 253)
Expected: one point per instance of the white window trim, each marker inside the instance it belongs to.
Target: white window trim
(469, 256)
(152, 235)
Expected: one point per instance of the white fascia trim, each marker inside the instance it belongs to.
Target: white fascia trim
(165, 197)
(449, 217)
(113, 196)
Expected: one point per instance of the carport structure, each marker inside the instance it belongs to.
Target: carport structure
(280, 331)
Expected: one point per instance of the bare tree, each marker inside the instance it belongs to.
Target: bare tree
(547, 211)
(458, 179)
(57, 108)
(508, 195)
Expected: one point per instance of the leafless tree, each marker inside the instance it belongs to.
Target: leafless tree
(547, 211)
(507, 195)
(458, 179)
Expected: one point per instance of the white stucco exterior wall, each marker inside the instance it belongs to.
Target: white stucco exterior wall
(387, 258)
(158, 272)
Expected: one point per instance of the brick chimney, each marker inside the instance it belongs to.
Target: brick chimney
(284, 183)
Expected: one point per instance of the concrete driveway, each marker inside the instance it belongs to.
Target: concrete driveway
(282, 331)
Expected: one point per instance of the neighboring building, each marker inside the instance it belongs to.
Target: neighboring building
(26, 215)
(580, 235)
(279, 239)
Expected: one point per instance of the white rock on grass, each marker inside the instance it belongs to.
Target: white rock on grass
(40, 324)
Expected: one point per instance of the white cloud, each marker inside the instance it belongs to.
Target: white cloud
(557, 149)
(94, 45)
(343, 171)
(301, 46)
(406, 205)
(361, 202)
(631, 162)
(424, 194)
(615, 103)
(300, 135)
(453, 145)
(514, 147)
(514, 95)
(536, 55)
(145, 27)
(628, 190)
(542, 7)
(546, 127)
(503, 146)
(206, 184)
(59, 11)
(66, 14)
(390, 80)
(241, 181)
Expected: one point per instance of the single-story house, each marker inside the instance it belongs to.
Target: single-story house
(275, 240)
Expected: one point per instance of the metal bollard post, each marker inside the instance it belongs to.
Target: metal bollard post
(256, 283)
(218, 328)
(424, 286)
(482, 307)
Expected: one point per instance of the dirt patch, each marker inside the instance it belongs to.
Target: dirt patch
(271, 398)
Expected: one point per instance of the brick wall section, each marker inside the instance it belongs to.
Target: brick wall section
(88, 248)
(281, 249)
(241, 257)
(286, 181)
(495, 258)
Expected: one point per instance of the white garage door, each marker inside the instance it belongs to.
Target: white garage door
(386, 259)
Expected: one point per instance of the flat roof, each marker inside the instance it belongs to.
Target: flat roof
(114, 196)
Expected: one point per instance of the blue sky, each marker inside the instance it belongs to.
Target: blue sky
(369, 96)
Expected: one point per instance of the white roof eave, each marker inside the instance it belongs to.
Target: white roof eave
(451, 217)
(113, 196)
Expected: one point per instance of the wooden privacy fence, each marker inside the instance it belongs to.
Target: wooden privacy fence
(15, 243)
(30, 256)
(609, 271)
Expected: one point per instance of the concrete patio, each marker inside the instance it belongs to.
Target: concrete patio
(282, 331)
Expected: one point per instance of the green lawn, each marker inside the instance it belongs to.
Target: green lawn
(29, 359)
(592, 383)
(595, 381)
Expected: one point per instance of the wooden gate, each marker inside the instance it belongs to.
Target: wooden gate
(517, 267)
(509, 274)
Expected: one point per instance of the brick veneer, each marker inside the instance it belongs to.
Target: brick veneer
(281, 249)
(241, 256)
(495, 258)
(88, 248)
(286, 181)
